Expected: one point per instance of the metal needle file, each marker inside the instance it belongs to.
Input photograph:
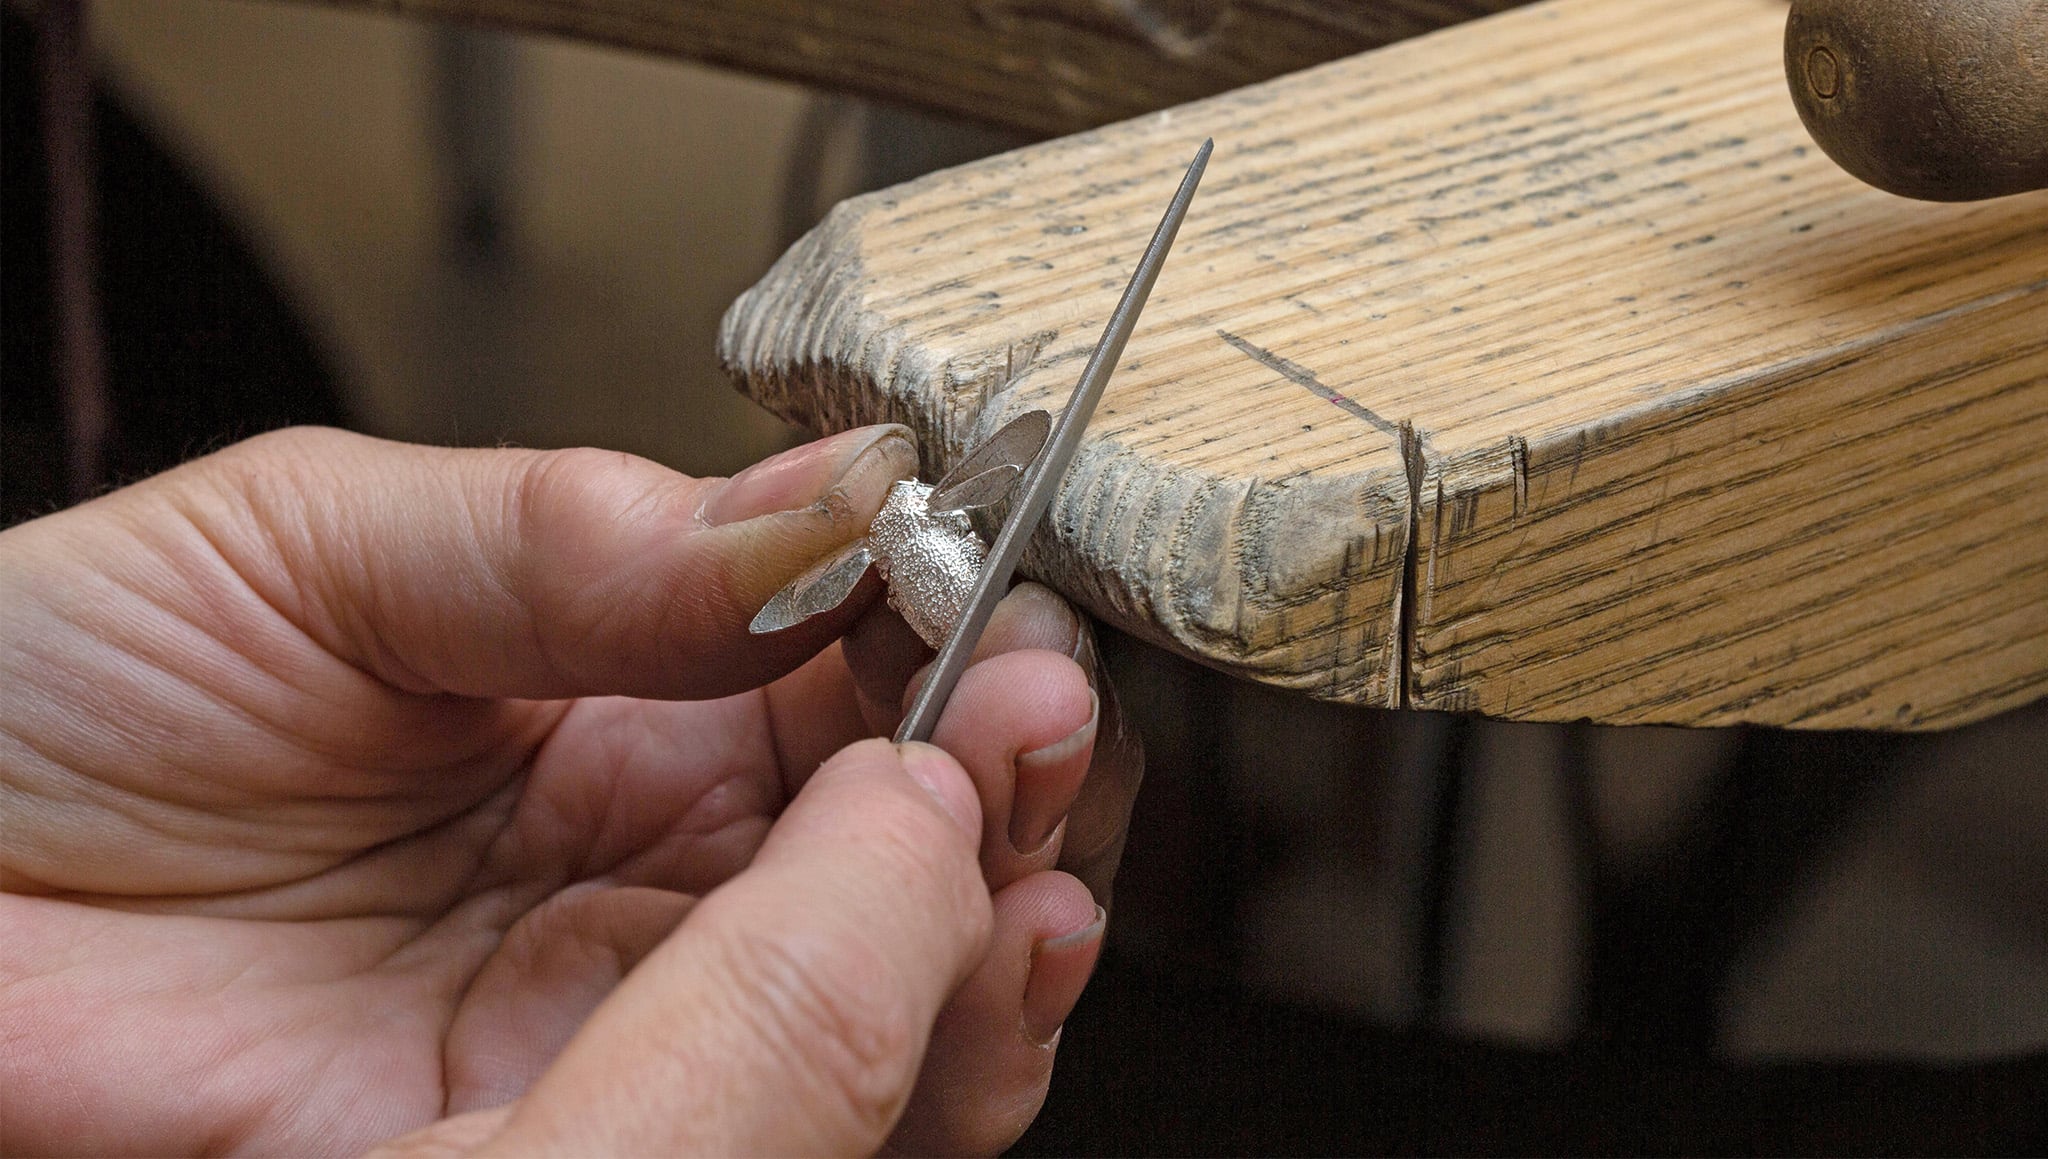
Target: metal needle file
(1050, 469)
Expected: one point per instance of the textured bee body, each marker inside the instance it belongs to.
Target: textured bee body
(930, 558)
(922, 541)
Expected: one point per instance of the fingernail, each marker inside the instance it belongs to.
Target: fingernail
(855, 468)
(1059, 971)
(1036, 816)
(947, 782)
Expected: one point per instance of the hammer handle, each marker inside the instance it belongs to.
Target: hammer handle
(1943, 100)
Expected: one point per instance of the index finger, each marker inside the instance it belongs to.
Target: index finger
(884, 656)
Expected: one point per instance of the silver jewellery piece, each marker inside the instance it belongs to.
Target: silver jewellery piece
(922, 541)
(929, 558)
(941, 580)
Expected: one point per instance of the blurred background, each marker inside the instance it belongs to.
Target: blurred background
(1338, 930)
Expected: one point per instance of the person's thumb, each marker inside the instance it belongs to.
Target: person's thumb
(790, 1012)
(529, 573)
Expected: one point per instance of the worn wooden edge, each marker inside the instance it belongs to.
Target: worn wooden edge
(809, 350)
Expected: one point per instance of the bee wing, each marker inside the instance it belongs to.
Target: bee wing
(988, 472)
(823, 586)
(984, 490)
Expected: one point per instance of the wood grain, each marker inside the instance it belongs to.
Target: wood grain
(1040, 66)
(1538, 367)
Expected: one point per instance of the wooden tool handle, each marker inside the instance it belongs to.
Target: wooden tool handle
(1943, 100)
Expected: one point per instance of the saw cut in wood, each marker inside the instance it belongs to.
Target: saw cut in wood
(1540, 367)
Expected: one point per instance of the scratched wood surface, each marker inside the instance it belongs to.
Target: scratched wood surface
(1040, 66)
(1539, 367)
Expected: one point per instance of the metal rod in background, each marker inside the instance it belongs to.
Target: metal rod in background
(80, 351)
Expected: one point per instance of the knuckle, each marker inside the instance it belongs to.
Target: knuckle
(926, 852)
(912, 842)
(563, 507)
(826, 1012)
(291, 442)
(568, 481)
(279, 467)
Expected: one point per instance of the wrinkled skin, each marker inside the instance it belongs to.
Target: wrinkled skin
(361, 794)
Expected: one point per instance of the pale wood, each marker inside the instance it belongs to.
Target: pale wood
(1538, 367)
(1039, 66)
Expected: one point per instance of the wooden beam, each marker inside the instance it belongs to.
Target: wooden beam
(1040, 66)
(1539, 367)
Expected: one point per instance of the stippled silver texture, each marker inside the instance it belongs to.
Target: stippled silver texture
(931, 560)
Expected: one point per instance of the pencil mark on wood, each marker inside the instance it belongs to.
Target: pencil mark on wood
(1301, 376)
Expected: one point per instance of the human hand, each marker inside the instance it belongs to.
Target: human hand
(354, 789)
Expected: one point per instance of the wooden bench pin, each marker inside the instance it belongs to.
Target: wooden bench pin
(941, 579)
